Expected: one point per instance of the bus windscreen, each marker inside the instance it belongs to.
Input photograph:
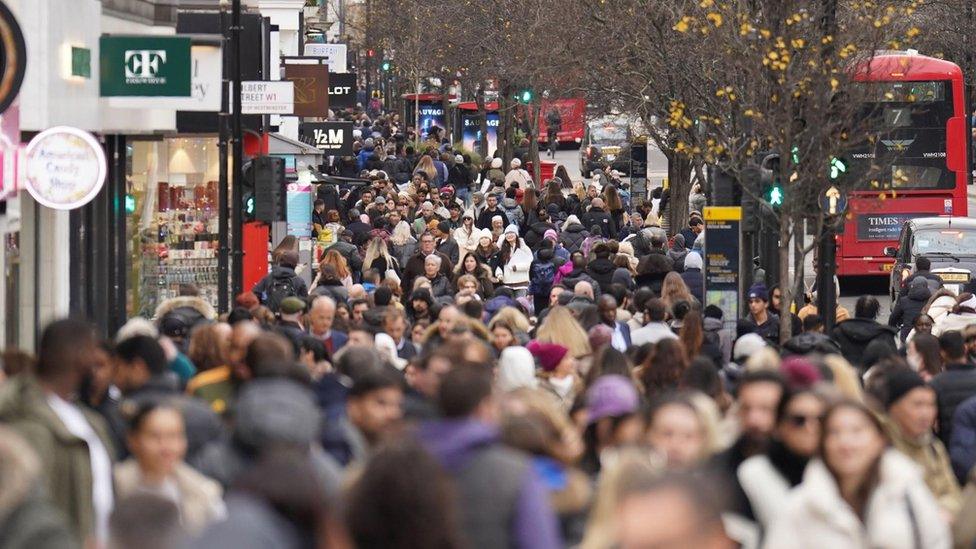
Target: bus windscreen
(907, 146)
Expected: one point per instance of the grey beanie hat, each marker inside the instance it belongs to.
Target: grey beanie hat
(271, 411)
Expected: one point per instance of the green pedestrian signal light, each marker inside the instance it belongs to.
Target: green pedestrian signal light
(249, 206)
(525, 96)
(386, 66)
(838, 167)
(130, 204)
(776, 195)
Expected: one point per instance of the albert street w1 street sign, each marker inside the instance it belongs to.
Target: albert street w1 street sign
(144, 66)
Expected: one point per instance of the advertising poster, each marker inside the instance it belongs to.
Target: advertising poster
(471, 131)
(722, 261)
(431, 114)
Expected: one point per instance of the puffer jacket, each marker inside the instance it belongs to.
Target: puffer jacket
(908, 308)
(953, 322)
(816, 516)
(536, 232)
(515, 272)
(962, 442)
(573, 236)
(716, 333)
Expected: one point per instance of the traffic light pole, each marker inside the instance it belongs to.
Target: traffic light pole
(237, 252)
(223, 299)
(827, 269)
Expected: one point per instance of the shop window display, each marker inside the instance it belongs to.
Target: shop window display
(173, 226)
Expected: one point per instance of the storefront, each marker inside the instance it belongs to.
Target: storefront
(172, 220)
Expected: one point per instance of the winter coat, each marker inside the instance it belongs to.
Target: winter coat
(541, 273)
(520, 176)
(600, 218)
(573, 236)
(816, 516)
(962, 442)
(941, 307)
(501, 500)
(952, 387)
(678, 252)
(450, 248)
(908, 308)
(652, 268)
(65, 461)
(484, 220)
(403, 252)
(694, 279)
(279, 273)
(515, 272)
(575, 276)
(953, 322)
(351, 253)
(768, 478)
(536, 232)
(200, 503)
(513, 212)
(466, 242)
(716, 332)
(192, 308)
(855, 336)
(601, 270)
(415, 268)
(811, 342)
(440, 287)
(931, 456)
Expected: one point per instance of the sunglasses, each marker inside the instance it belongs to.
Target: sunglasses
(797, 420)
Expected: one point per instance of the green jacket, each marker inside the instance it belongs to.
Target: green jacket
(65, 460)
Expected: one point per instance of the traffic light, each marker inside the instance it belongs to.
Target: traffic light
(838, 168)
(370, 52)
(386, 66)
(130, 203)
(772, 182)
(525, 96)
(263, 189)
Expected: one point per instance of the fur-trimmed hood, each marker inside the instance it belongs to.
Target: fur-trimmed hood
(189, 301)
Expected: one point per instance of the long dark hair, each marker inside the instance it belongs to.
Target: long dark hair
(663, 367)
(692, 334)
(927, 346)
(863, 493)
(506, 250)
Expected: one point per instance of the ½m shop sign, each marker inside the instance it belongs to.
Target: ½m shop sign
(144, 66)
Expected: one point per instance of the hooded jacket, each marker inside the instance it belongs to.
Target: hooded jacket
(501, 499)
(816, 516)
(195, 309)
(536, 232)
(573, 234)
(678, 252)
(908, 307)
(513, 212)
(715, 332)
(855, 335)
(278, 272)
(600, 218)
(601, 269)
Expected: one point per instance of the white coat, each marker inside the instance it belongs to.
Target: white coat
(953, 322)
(467, 242)
(767, 488)
(516, 271)
(816, 516)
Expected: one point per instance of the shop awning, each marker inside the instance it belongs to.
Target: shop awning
(279, 144)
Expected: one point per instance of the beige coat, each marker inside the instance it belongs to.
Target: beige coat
(200, 497)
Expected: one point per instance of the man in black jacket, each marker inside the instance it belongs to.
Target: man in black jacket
(349, 251)
(598, 216)
(956, 384)
(484, 220)
(922, 270)
(281, 282)
(863, 336)
(415, 265)
(445, 243)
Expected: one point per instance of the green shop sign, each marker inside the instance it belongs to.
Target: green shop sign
(144, 66)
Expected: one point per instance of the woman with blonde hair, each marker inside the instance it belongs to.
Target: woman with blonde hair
(614, 206)
(402, 242)
(516, 320)
(426, 165)
(561, 327)
(209, 345)
(336, 260)
(378, 257)
(674, 289)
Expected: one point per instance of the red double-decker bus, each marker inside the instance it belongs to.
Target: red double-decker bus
(917, 104)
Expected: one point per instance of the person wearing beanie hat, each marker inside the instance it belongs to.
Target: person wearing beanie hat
(517, 174)
(496, 163)
(760, 320)
(514, 260)
(558, 374)
(550, 234)
(612, 403)
(911, 409)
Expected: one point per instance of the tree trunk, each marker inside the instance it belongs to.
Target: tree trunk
(533, 122)
(679, 186)
(785, 282)
(799, 272)
(446, 105)
(482, 122)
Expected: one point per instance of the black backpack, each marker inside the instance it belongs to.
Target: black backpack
(278, 290)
